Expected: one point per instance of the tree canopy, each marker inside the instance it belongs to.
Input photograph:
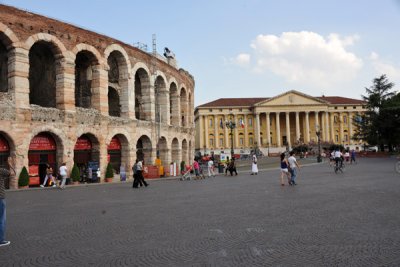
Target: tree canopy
(380, 124)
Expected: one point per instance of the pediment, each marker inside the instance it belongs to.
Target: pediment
(292, 98)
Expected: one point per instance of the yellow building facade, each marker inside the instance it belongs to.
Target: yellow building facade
(275, 124)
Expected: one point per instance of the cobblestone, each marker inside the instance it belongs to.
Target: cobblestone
(348, 219)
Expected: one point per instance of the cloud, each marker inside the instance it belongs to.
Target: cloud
(242, 60)
(382, 67)
(306, 57)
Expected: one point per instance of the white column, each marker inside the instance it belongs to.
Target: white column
(206, 131)
(327, 138)
(278, 130)
(297, 127)
(317, 120)
(288, 129)
(201, 137)
(257, 130)
(307, 137)
(350, 128)
(341, 130)
(332, 114)
(246, 134)
(236, 143)
(216, 125)
(268, 130)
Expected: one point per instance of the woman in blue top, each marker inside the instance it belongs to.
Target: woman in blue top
(284, 169)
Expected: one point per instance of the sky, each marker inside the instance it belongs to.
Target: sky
(253, 48)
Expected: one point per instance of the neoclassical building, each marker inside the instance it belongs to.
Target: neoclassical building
(72, 95)
(275, 123)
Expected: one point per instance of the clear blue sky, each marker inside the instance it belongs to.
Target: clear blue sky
(254, 48)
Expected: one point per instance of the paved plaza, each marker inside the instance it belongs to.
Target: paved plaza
(328, 219)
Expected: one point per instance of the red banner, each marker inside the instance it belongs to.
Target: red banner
(33, 170)
(42, 142)
(115, 144)
(4, 145)
(83, 143)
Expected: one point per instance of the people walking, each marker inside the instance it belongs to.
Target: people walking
(294, 167)
(254, 167)
(232, 167)
(196, 167)
(135, 176)
(210, 168)
(49, 175)
(353, 156)
(63, 172)
(284, 169)
(227, 166)
(139, 170)
(4, 174)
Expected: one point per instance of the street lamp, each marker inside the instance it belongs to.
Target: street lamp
(318, 133)
(231, 125)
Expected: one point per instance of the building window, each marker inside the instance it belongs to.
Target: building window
(345, 137)
(354, 107)
(335, 107)
(261, 140)
(211, 142)
(337, 138)
(210, 110)
(220, 109)
(250, 122)
(241, 141)
(221, 142)
(345, 107)
(211, 122)
(345, 119)
(335, 118)
(240, 109)
(251, 140)
(230, 109)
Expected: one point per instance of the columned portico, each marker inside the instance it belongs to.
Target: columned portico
(278, 130)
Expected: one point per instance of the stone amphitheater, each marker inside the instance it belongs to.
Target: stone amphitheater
(68, 94)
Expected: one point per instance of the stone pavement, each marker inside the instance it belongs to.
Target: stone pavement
(349, 219)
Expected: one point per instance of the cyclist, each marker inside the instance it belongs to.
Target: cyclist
(338, 158)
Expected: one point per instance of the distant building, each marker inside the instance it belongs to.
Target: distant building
(276, 123)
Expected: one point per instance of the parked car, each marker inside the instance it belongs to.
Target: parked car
(372, 149)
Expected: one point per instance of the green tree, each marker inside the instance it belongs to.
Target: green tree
(109, 171)
(374, 126)
(75, 173)
(23, 179)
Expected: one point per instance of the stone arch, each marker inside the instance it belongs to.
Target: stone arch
(183, 106)
(185, 154)
(7, 147)
(114, 106)
(190, 152)
(8, 41)
(86, 76)
(174, 104)
(144, 149)
(119, 158)
(118, 78)
(162, 146)
(175, 151)
(46, 56)
(82, 156)
(143, 95)
(162, 100)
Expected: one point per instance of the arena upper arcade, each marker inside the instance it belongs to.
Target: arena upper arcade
(71, 95)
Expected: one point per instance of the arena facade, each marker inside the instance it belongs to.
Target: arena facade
(72, 95)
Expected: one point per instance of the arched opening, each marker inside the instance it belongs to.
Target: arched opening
(114, 107)
(43, 150)
(87, 157)
(185, 154)
(190, 154)
(189, 110)
(4, 154)
(144, 150)
(161, 96)
(175, 151)
(118, 81)
(184, 106)
(174, 105)
(42, 75)
(163, 150)
(84, 63)
(142, 95)
(3, 66)
(118, 153)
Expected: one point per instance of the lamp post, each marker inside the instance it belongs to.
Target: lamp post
(318, 133)
(231, 125)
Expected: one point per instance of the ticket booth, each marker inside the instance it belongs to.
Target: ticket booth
(4, 154)
(42, 151)
(114, 154)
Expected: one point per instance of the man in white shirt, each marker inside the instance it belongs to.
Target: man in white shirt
(63, 173)
(338, 157)
(293, 168)
(210, 168)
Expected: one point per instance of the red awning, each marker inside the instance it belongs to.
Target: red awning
(4, 145)
(115, 144)
(42, 141)
(83, 143)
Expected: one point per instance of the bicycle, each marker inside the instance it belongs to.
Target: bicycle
(339, 166)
